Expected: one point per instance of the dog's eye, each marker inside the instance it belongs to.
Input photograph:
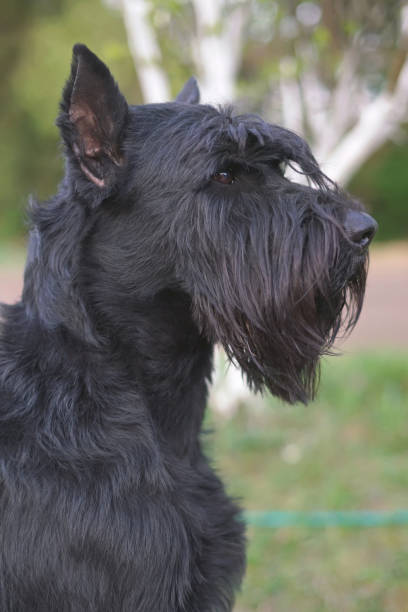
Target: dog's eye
(225, 177)
(280, 167)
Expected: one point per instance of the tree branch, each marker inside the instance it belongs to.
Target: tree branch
(379, 122)
(218, 47)
(145, 51)
(342, 113)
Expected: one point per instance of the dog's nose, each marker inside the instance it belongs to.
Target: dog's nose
(360, 227)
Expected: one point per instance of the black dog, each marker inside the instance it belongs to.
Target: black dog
(174, 228)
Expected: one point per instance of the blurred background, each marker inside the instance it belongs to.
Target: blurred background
(337, 73)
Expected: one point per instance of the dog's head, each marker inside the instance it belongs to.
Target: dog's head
(193, 198)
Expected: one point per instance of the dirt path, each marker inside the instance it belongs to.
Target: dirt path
(10, 284)
(383, 322)
(384, 319)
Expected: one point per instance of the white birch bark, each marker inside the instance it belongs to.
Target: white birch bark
(379, 121)
(217, 47)
(145, 51)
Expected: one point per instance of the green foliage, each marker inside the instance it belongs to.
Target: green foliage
(382, 184)
(322, 38)
(29, 149)
(345, 451)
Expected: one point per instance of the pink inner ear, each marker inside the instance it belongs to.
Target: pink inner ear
(85, 122)
(99, 182)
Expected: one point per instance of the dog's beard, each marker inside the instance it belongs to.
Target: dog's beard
(276, 317)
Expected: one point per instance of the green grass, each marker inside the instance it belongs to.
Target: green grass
(12, 255)
(348, 450)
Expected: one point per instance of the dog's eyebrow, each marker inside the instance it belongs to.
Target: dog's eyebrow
(240, 132)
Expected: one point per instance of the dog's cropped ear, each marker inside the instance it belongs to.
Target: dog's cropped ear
(93, 116)
(190, 94)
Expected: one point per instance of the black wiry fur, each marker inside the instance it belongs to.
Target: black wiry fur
(138, 265)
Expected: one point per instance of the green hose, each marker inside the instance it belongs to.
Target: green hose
(352, 518)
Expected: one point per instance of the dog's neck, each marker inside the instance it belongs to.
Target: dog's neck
(159, 344)
(152, 340)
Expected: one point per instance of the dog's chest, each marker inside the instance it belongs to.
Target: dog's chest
(94, 539)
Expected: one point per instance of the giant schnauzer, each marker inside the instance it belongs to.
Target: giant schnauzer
(173, 228)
